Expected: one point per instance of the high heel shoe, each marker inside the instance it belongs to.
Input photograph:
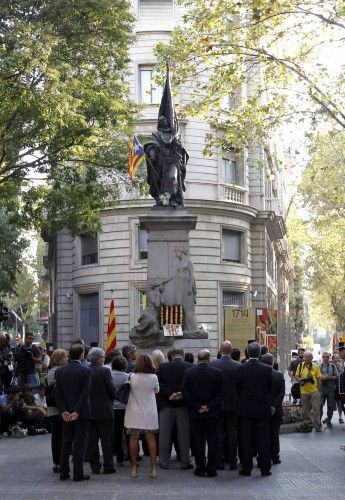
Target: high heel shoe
(134, 471)
(153, 471)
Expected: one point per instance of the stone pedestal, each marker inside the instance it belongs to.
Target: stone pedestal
(170, 276)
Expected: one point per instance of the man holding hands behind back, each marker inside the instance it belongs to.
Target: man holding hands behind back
(72, 393)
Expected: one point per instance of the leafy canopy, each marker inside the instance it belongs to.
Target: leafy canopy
(275, 46)
(65, 114)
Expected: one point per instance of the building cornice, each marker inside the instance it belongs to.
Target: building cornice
(209, 207)
(275, 224)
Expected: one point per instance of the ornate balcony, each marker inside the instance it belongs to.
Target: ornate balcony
(235, 194)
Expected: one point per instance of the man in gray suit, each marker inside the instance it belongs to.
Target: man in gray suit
(227, 436)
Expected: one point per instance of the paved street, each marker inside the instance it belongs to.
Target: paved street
(313, 467)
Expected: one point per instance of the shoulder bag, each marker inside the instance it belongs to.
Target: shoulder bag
(122, 393)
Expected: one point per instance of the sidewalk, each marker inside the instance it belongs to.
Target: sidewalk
(312, 467)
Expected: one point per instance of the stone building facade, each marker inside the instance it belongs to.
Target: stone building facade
(238, 247)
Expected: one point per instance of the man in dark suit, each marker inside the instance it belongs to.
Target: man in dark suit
(173, 410)
(102, 395)
(202, 389)
(72, 393)
(227, 436)
(254, 386)
(278, 393)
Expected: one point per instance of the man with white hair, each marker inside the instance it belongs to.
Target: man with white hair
(102, 395)
(309, 376)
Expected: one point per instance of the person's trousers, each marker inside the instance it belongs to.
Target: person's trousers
(5, 379)
(311, 409)
(329, 397)
(275, 424)
(101, 430)
(205, 430)
(169, 417)
(227, 439)
(56, 441)
(255, 430)
(119, 418)
(74, 436)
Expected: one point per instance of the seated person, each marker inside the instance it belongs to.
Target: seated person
(40, 402)
(11, 412)
(33, 414)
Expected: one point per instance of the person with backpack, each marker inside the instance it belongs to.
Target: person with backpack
(58, 358)
(327, 393)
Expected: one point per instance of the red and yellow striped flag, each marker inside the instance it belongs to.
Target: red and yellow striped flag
(110, 343)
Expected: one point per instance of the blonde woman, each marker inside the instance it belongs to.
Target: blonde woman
(141, 417)
(58, 358)
(157, 358)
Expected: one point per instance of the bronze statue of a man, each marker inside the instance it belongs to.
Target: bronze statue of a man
(166, 158)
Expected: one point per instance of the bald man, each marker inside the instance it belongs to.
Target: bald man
(227, 431)
(202, 390)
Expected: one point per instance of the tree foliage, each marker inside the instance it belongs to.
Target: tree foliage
(323, 191)
(276, 47)
(65, 113)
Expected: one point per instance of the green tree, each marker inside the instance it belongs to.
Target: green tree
(297, 240)
(12, 244)
(323, 191)
(273, 45)
(65, 113)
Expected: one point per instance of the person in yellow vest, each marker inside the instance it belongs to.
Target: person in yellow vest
(309, 376)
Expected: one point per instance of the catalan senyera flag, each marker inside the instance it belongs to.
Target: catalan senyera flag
(136, 156)
(111, 333)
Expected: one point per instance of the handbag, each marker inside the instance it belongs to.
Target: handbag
(50, 393)
(122, 393)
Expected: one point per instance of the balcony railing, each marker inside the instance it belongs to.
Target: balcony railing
(235, 194)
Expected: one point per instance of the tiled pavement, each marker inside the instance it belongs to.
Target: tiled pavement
(313, 467)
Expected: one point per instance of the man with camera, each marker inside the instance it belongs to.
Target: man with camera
(309, 376)
(28, 357)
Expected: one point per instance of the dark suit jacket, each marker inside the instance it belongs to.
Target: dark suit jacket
(170, 377)
(102, 393)
(229, 368)
(278, 392)
(72, 389)
(254, 387)
(202, 385)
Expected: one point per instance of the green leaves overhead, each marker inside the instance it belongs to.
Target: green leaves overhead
(278, 48)
(65, 112)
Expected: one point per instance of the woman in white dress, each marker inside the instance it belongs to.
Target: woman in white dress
(141, 415)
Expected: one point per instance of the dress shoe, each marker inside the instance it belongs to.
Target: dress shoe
(187, 467)
(265, 474)
(110, 470)
(211, 473)
(134, 471)
(95, 471)
(220, 467)
(85, 477)
(233, 467)
(198, 472)
(162, 466)
(153, 472)
(276, 461)
(119, 464)
(242, 473)
(64, 476)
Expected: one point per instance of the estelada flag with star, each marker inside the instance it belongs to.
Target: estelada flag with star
(110, 343)
(136, 156)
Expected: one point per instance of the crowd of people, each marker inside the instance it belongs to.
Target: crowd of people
(224, 412)
(317, 385)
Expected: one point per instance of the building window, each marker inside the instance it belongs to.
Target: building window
(142, 302)
(233, 299)
(150, 92)
(156, 14)
(231, 245)
(142, 243)
(89, 317)
(89, 250)
(229, 171)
